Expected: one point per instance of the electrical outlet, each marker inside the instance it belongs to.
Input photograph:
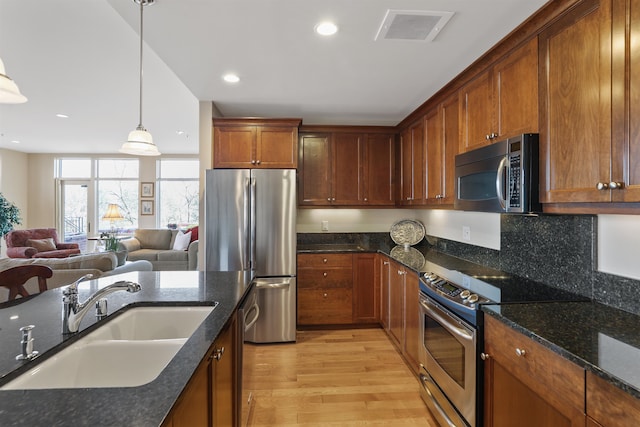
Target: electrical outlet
(466, 233)
(325, 225)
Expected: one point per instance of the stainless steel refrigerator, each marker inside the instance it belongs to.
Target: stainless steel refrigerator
(251, 225)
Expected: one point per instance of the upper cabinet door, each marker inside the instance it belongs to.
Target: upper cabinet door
(515, 91)
(476, 110)
(575, 110)
(348, 155)
(412, 164)
(277, 147)
(379, 170)
(314, 187)
(233, 146)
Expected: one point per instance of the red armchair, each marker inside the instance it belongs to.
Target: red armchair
(38, 243)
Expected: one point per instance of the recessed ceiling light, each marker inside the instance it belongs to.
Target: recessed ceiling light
(62, 116)
(231, 78)
(326, 28)
(15, 141)
(180, 132)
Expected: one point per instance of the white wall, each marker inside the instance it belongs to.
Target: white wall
(619, 245)
(484, 227)
(14, 180)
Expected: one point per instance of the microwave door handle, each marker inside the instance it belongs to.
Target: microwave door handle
(500, 182)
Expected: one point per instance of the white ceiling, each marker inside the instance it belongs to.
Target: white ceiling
(80, 58)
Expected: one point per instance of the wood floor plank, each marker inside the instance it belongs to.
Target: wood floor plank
(334, 378)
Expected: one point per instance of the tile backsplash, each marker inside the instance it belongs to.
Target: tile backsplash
(558, 250)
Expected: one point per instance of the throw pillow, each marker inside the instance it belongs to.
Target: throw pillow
(182, 241)
(42, 245)
(194, 233)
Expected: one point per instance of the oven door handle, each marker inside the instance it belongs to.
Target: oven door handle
(456, 330)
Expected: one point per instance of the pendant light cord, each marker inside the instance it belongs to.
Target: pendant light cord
(141, 21)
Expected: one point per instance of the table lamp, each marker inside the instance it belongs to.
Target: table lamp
(113, 214)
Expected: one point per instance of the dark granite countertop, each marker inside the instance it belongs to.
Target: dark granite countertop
(602, 339)
(146, 405)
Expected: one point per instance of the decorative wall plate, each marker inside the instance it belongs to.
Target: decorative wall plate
(407, 232)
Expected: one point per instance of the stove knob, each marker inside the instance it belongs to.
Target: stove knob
(473, 298)
(465, 294)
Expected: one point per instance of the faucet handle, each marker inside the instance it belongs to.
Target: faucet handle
(28, 352)
(101, 309)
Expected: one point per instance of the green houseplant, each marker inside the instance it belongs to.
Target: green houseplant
(9, 215)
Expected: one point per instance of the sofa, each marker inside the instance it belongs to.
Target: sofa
(68, 270)
(157, 247)
(38, 242)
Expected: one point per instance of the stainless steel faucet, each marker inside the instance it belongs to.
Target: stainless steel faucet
(73, 311)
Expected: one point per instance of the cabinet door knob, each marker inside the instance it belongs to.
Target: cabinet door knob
(484, 356)
(253, 162)
(333, 199)
(602, 186)
(494, 135)
(328, 199)
(614, 185)
(218, 352)
(324, 274)
(520, 352)
(487, 137)
(324, 295)
(257, 162)
(324, 260)
(365, 199)
(385, 262)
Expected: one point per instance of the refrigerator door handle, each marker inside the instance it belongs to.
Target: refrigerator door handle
(246, 226)
(252, 206)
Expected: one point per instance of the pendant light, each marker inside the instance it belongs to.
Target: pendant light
(9, 92)
(140, 141)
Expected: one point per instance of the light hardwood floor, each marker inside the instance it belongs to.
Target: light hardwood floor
(334, 378)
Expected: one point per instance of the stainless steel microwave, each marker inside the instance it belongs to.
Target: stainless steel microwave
(501, 177)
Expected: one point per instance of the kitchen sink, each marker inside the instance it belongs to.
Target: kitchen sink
(127, 351)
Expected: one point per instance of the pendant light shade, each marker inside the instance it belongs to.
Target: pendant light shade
(9, 92)
(140, 141)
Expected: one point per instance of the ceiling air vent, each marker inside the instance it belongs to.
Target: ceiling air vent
(420, 25)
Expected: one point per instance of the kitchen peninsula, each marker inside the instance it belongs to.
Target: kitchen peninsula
(146, 405)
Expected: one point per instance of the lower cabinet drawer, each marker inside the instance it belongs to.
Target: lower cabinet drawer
(325, 306)
(536, 366)
(325, 278)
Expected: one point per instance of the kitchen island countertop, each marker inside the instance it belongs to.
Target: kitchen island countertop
(146, 405)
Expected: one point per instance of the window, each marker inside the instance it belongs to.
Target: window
(87, 187)
(178, 193)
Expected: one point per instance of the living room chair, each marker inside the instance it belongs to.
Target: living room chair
(14, 278)
(38, 243)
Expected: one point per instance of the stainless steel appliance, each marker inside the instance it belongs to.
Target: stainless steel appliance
(501, 177)
(448, 350)
(251, 225)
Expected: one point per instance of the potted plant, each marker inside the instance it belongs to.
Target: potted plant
(111, 243)
(9, 216)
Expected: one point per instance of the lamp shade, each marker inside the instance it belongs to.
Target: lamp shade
(140, 143)
(113, 213)
(9, 92)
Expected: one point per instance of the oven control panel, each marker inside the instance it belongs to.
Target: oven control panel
(452, 291)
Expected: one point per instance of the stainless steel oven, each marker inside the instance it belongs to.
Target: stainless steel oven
(448, 350)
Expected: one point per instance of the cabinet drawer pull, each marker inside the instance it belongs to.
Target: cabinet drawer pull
(520, 352)
(324, 260)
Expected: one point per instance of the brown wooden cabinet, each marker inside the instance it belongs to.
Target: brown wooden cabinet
(346, 168)
(412, 164)
(383, 273)
(589, 129)
(255, 143)
(210, 398)
(501, 101)
(610, 406)
(526, 384)
(403, 312)
(441, 140)
(325, 288)
(366, 289)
